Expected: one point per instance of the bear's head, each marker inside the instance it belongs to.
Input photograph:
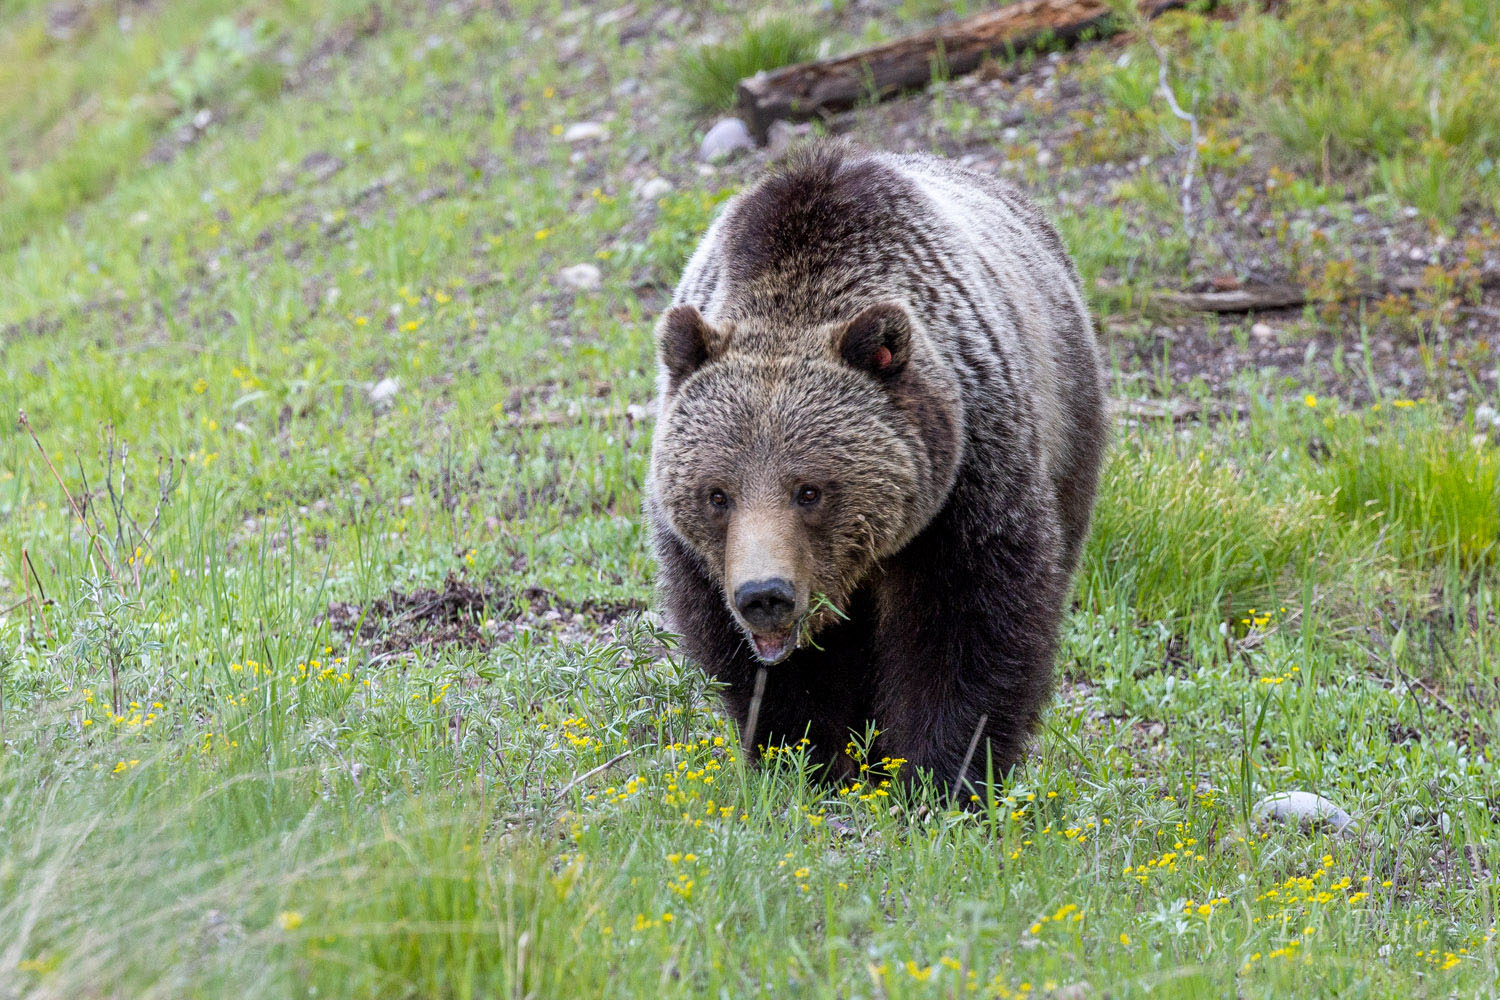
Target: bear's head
(793, 475)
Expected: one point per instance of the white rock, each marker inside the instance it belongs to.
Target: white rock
(585, 132)
(726, 138)
(584, 277)
(1262, 331)
(384, 391)
(1303, 808)
(653, 189)
(782, 134)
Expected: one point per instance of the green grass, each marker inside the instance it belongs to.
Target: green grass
(1433, 493)
(1180, 531)
(1389, 95)
(209, 789)
(709, 74)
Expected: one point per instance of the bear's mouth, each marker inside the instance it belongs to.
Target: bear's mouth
(773, 647)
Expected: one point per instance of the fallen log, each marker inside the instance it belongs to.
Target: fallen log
(1259, 298)
(807, 90)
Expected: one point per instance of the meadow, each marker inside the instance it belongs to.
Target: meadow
(326, 660)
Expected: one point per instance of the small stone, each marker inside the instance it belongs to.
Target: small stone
(727, 137)
(1043, 157)
(384, 391)
(1262, 331)
(202, 119)
(584, 277)
(585, 132)
(1307, 810)
(653, 189)
(781, 135)
(1417, 253)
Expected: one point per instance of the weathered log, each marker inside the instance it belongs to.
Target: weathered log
(806, 90)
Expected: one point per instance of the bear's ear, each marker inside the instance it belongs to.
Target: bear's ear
(687, 342)
(877, 341)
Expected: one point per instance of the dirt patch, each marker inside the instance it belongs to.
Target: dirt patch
(468, 613)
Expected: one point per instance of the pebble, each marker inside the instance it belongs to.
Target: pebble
(1304, 808)
(585, 132)
(653, 189)
(727, 137)
(584, 277)
(384, 391)
(781, 135)
(1262, 331)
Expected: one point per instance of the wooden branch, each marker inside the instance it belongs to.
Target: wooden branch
(807, 90)
(1256, 298)
(1252, 298)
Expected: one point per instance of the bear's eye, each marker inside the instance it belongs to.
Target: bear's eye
(718, 498)
(808, 495)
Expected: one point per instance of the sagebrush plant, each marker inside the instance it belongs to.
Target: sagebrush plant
(225, 770)
(710, 73)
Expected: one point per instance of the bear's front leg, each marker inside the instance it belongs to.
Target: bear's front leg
(816, 694)
(965, 644)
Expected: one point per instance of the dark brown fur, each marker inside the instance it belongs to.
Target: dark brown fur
(955, 454)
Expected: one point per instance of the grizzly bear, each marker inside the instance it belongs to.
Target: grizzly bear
(881, 417)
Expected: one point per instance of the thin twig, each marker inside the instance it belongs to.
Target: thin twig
(27, 564)
(108, 566)
(748, 736)
(565, 789)
(1190, 171)
(963, 770)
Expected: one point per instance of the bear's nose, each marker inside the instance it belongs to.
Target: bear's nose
(767, 605)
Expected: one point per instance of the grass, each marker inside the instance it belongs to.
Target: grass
(227, 769)
(1435, 494)
(709, 74)
(1386, 94)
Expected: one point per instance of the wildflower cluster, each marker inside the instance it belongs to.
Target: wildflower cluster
(954, 971)
(134, 717)
(682, 882)
(1260, 619)
(1067, 913)
(573, 732)
(690, 782)
(1282, 678)
(874, 781)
